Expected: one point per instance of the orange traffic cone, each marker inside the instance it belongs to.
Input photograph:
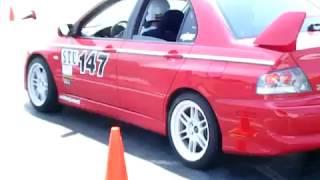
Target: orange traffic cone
(116, 168)
(11, 16)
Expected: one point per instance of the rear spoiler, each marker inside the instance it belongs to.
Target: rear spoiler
(282, 34)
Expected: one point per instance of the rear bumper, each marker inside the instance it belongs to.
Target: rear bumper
(263, 127)
(294, 128)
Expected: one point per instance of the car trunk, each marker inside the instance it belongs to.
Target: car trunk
(307, 56)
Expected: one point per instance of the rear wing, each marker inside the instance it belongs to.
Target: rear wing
(282, 34)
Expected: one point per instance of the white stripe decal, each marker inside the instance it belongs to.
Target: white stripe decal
(187, 56)
(142, 52)
(70, 99)
(79, 47)
(315, 56)
(229, 59)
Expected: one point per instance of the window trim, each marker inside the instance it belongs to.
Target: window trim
(95, 11)
(190, 10)
(141, 14)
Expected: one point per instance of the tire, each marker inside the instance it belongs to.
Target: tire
(197, 140)
(42, 89)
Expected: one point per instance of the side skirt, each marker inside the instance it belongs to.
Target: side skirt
(133, 118)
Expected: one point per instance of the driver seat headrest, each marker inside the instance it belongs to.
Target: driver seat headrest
(170, 24)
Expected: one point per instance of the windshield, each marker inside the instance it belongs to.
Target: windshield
(249, 18)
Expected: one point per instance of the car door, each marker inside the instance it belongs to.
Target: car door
(89, 58)
(146, 69)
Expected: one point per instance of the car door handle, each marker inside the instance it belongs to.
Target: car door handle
(110, 49)
(173, 54)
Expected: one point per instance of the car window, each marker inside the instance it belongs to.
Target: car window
(177, 4)
(249, 18)
(162, 20)
(110, 22)
(189, 29)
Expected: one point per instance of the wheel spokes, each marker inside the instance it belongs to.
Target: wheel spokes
(192, 112)
(184, 135)
(203, 125)
(45, 85)
(184, 119)
(35, 83)
(38, 95)
(190, 130)
(192, 146)
(38, 73)
(38, 84)
(201, 141)
(43, 93)
(44, 77)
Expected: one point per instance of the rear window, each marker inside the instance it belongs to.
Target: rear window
(249, 18)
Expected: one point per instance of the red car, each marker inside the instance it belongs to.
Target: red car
(213, 75)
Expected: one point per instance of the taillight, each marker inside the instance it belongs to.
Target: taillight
(286, 81)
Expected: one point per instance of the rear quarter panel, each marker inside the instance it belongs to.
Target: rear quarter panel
(230, 88)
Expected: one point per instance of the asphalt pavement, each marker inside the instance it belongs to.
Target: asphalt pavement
(73, 144)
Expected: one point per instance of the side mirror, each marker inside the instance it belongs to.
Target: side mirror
(65, 30)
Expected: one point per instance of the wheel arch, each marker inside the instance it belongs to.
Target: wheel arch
(29, 59)
(176, 93)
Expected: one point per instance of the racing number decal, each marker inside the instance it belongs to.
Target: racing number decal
(82, 59)
(69, 58)
(103, 59)
(87, 63)
(91, 62)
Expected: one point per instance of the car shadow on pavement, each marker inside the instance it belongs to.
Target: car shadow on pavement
(156, 149)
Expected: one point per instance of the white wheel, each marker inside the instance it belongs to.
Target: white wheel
(189, 130)
(193, 131)
(41, 87)
(37, 84)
